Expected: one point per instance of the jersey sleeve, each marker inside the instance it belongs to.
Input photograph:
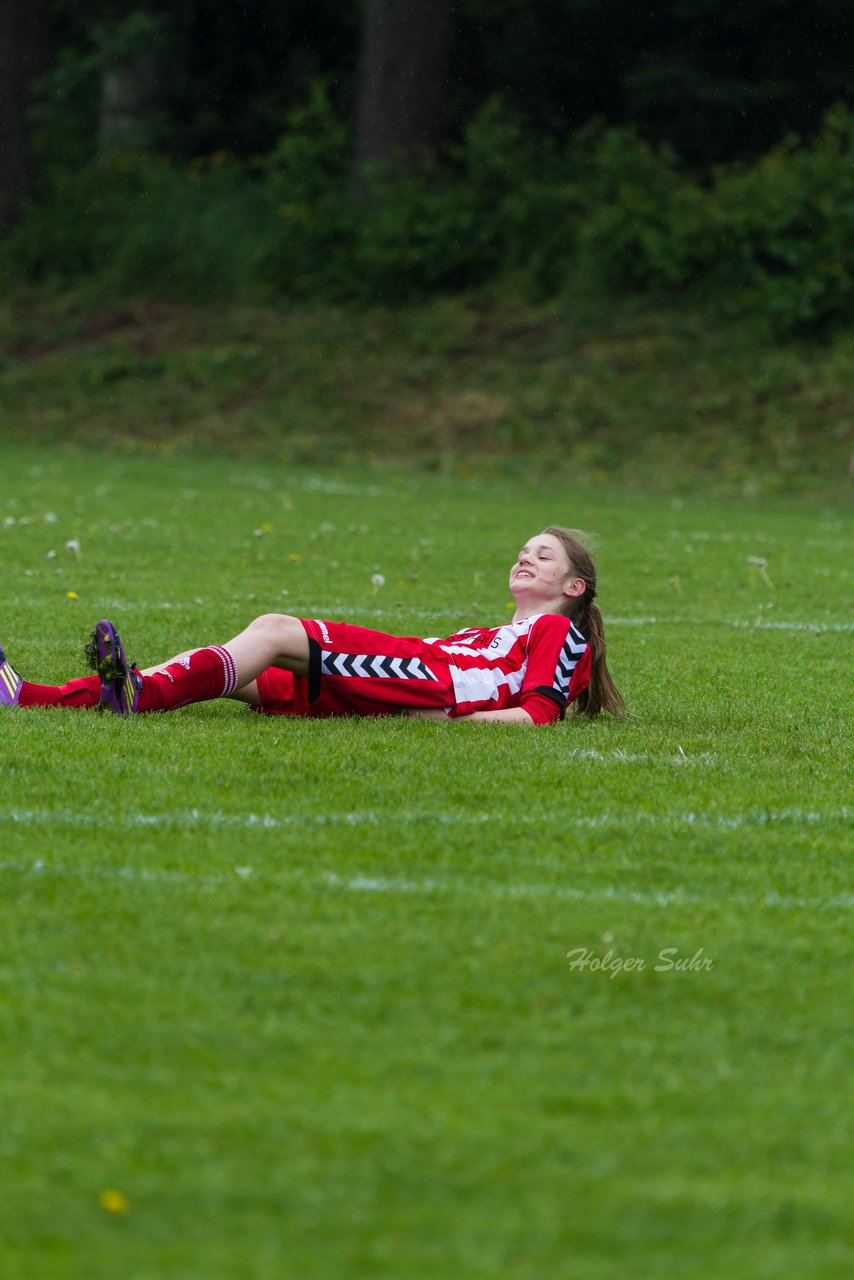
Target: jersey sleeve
(557, 670)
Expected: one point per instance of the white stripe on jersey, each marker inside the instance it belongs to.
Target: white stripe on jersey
(502, 642)
(481, 684)
(480, 678)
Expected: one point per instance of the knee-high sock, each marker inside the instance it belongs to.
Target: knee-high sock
(200, 676)
(85, 692)
(204, 674)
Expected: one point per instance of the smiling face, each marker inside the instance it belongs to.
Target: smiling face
(542, 579)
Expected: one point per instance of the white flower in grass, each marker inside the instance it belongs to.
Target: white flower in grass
(760, 563)
(73, 545)
(51, 555)
(50, 517)
(9, 521)
(377, 580)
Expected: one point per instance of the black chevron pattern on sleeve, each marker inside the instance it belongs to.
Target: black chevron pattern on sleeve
(573, 648)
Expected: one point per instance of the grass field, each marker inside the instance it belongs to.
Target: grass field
(291, 998)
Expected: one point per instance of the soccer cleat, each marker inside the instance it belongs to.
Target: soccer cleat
(122, 696)
(10, 682)
(121, 684)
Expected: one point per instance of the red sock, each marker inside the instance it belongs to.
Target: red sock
(202, 675)
(85, 692)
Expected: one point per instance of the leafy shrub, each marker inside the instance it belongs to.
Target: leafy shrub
(644, 223)
(315, 218)
(143, 226)
(776, 239)
(500, 205)
(784, 230)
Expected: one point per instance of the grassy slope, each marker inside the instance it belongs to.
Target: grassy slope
(299, 991)
(595, 391)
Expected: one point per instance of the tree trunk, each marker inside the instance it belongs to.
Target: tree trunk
(130, 94)
(402, 80)
(133, 56)
(22, 44)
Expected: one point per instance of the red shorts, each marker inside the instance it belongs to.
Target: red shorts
(356, 672)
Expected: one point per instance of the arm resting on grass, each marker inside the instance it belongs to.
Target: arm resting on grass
(513, 715)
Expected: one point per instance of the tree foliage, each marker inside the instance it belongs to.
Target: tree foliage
(231, 170)
(715, 79)
(606, 209)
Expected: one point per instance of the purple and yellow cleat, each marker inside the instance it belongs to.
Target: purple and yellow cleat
(10, 682)
(121, 684)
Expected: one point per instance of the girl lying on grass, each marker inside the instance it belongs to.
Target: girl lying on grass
(526, 672)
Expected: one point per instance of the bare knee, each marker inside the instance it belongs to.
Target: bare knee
(276, 624)
(285, 633)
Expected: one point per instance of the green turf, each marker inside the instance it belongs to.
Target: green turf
(299, 991)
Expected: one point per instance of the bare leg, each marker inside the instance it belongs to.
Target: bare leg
(249, 693)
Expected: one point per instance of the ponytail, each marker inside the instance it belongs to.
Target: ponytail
(601, 693)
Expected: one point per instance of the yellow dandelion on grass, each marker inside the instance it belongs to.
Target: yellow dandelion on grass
(71, 595)
(114, 1201)
(294, 556)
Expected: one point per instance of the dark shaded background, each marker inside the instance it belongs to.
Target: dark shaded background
(717, 80)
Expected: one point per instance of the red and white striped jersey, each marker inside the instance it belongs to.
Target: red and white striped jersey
(541, 664)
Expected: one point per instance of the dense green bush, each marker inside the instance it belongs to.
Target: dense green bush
(776, 239)
(644, 224)
(450, 227)
(784, 230)
(139, 225)
(310, 243)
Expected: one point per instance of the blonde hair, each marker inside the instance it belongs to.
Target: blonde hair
(601, 693)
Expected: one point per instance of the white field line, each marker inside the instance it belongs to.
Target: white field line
(429, 886)
(607, 893)
(353, 612)
(759, 624)
(615, 620)
(705, 759)
(195, 819)
(320, 484)
(769, 624)
(612, 620)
